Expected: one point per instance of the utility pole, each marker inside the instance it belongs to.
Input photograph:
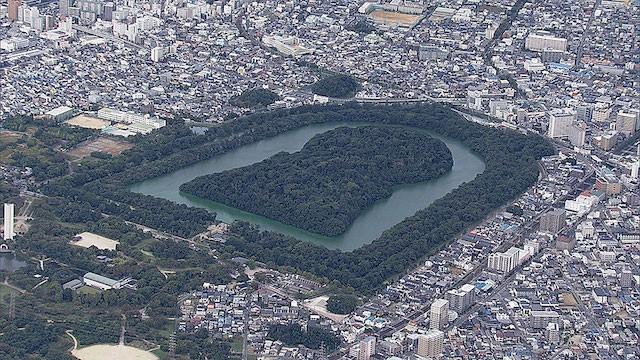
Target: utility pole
(12, 306)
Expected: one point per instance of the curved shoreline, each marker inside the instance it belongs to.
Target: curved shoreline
(405, 201)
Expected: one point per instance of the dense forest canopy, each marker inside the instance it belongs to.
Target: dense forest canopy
(254, 98)
(336, 86)
(511, 167)
(325, 186)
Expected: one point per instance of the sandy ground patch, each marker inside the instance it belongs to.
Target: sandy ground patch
(394, 18)
(88, 239)
(88, 122)
(102, 144)
(318, 305)
(120, 352)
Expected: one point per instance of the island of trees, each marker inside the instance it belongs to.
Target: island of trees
(336, 86)
(511, 167)
(255, 97)
(338, 174)
(342, 303)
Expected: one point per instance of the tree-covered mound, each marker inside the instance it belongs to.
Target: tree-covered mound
(254, 98)
(325, 186)
(511, 167)
(336, 86)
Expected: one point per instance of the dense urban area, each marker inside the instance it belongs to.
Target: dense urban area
(520, 118)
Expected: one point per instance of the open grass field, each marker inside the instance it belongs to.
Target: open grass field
(87, 290)
(102, 144)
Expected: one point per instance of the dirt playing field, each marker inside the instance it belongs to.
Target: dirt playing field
(104, 145)
(120, 352)
(390, 18)
(88, 122)
(88, 239)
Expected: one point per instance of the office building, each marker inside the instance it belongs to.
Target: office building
(439, 314)
(601, 113)
(157, 53)
(626, 278)
(553, 333)
(63, 6)
(504, 262)
(461, 299)
(577, 134)
(367, 348)
(540, 319)
(553, 221)
(560, 120)
(544, 41)
(606, 141)
(12, 9)
(9, 222)
(584, 112)
(430, 345)
(627, 122)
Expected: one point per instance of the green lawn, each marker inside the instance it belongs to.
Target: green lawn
(88, 290)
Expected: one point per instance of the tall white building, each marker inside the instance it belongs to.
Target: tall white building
(9, 212)
(504, 262)
(367, 348)
(560, 122)
(430, 344)
(439, 314)
(462, 298)
(627, 122)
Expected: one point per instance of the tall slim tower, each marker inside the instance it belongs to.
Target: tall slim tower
(8, 222)
(439, 314)
(367, 348)
(12, 10)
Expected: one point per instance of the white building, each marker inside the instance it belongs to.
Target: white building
(504, 262)
(544, 40)
(560, 121)
(137, 123)
(627, 122)
(288, 45)
(462, 298)
(439, 314)
(100, 282)
(9, 213)
(430, 344)
(367, 348)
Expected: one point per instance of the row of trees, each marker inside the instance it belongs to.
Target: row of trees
(324, 187)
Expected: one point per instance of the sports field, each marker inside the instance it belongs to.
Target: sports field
(101, 144)
(119, 352)
(88, 122)
(391, 18)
